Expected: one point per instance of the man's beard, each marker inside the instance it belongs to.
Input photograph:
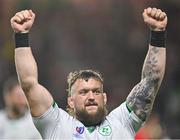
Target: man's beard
(19, 111)
(91, 119)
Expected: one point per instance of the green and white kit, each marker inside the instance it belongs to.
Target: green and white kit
(58, 124)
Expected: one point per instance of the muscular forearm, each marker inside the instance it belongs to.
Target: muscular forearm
(154, 64)
(26, 67)
(142, 97)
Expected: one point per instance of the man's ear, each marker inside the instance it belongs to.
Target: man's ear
(105, 98)
(70, 102)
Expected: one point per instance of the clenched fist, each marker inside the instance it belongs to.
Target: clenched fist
(22, 21)
(155, 19)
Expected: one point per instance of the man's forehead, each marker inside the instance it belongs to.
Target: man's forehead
(89, 83)
(89, 80)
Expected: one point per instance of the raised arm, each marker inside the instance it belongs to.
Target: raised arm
(38, 97)
(142, 96)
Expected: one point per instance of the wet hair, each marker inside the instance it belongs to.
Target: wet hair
(82, 74)
(9, 84)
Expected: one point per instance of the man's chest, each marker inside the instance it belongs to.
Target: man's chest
(105, 131)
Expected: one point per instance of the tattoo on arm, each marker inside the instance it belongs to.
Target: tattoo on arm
(142, 97)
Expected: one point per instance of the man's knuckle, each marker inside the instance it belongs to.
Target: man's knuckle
(145, 20)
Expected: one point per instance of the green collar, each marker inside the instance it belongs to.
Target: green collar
(91, 129)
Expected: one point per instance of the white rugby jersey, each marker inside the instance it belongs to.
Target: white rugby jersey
(55, 123)
(22, 128)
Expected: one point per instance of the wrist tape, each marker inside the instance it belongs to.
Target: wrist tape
(158, 38)
(21, 40)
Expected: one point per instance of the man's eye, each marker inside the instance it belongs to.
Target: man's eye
(83, 92)
(97, 92)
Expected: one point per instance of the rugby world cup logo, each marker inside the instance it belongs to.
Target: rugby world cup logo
(80, 130)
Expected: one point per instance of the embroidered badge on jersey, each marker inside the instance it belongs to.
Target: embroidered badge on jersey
(78, 132)
(105, 130)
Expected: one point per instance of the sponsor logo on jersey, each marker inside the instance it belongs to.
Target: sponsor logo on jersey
(105, 130)
(80, 130)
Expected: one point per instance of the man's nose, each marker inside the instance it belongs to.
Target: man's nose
(90, 95)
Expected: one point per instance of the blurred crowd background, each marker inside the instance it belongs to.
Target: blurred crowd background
(106, 35)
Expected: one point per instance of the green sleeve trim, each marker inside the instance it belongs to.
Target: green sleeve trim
(53, 104)
(138, 123)
(129, 108)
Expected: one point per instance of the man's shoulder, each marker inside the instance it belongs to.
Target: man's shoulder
(119, 113)
(27, 116)
(2, 112)
(121, 108)
(2, 115)
(54, 112)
